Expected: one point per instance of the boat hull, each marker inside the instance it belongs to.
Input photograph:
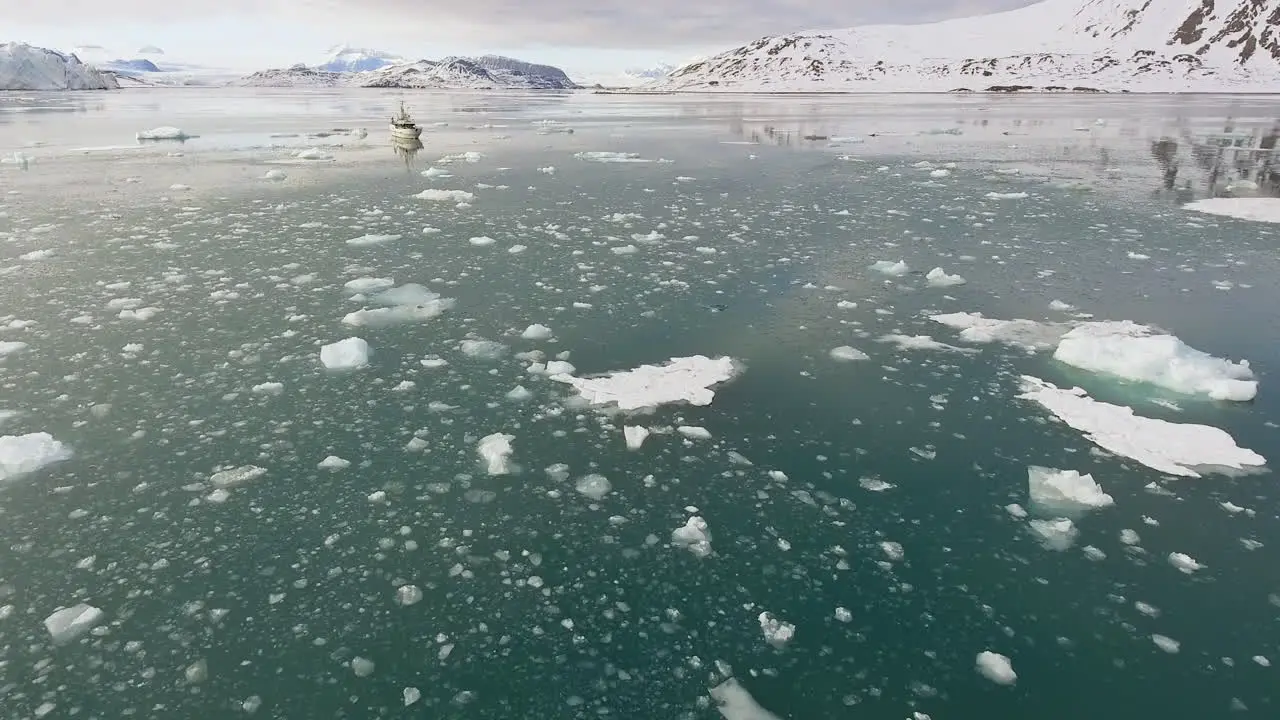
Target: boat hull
(407, 133)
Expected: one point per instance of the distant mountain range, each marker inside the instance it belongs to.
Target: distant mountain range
(484, 72)
(1082, 45)
(343, 58)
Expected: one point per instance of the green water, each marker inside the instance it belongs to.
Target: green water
(539, 602)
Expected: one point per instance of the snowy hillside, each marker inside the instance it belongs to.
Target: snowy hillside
(1107, 45)
(26, 67)
(489, 72)
(344, 58)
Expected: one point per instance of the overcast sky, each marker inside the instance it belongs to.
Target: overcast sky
(575, 34)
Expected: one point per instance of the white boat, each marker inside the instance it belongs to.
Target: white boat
(403, 126)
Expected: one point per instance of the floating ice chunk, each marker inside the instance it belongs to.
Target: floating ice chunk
(519, 393)
(687, 379)
(938, 277)
(1006, 195)
(10, 347)
(894, 269)
(735, 703)
(694, 536)
(594, 486)
(274, 176)
(634, 436)
(495, 452)
(694, 432)
(1258, 209)
(399, 314)
(776, 632)
(333, 463)
(1174, 448)
(69, 624)
(996, 668)
(164, 132)
(197, 672)
(844, 353)
(893, 551)
(975, 328)
(411, 695)
(407, 595)
(364, 240)
(483, 349)
(536, 332)
(1166, 643)
(312, 154)
(362, 667)
(560, 367)
(1185, 563)
(1058, 534)
(237, 476)
(920, 342)
(610, 157)
(1061, 306)
(482, 241)
(1064, 493)
(453, 196)
(23, 454)
(369, 284)
(407, 294)
(345, 354)
(267, 388)
(1134, 352)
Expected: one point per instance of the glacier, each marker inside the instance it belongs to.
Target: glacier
(27, 67)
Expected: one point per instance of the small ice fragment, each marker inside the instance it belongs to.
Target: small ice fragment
(893, 550)
(236, 476)
(634, 436)
(1064, 493)
(345, 354)
(407, 595)
(1057, 534)
(411, 696)
(495, 451)
(519, 393)
(996, 668)
(894, 269)
(938, 277)
(1166, 643)
(23, 454)
(362, 667)
(776, 632)
(1184, 562)
(694, 432)
(735, 703)
(594, 486)
(197, 672)
(70, 623)
(334, 463)
(843, 615)
(536, 332)
(844, 353)
(693, 535)
(267, 388)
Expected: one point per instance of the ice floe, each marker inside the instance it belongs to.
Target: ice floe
(71, 623)
(938, 277)
(1137, 352)
(1064, 493)
(346, 354)
(1258, 209)
(23, 454)
(845, 353)
(453, 196)
(164, 132)
(776, 632)
(694, 536)
(735, 703)
(495, 452)
(995, 667)
(634, 435)
(604, 156)
(1030, 334)
(1055, 534)
(408, 303)
(888, 267)
(1175, 448)
(680, 380)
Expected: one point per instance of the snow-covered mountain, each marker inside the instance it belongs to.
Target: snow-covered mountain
(1107, 45)
(26, 67)
(488, 72)
(344, 58)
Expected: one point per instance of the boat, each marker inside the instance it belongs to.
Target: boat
(403, 126)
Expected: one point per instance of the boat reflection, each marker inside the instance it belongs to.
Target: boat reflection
(406, 148)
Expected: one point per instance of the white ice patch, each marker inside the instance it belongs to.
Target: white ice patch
(333, 463)
(345, 354)
(1133, 352)
(735, 703)
(1064, 493)
(604, 156)
(71, 623)
(938, 277)
(536, 332)
(236, 476)
(920, 342)
(365, 240)
(453, 196)
(409, 303)
(164, 132)
(594, 486)
(975, 328)
(495, 452)
(893, 269)
(776, 632)
(10, 347)
(845, 353)
(694, 432)
(369, 284)
(1174, 448)
(1184, 562)
(634, 436)
(23, 454)
(1257, 209)
(687, 380)
(1057, 534)
(694, 536)
(482, 349)
(996, 668)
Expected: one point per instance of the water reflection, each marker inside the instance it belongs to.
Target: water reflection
(407, 150)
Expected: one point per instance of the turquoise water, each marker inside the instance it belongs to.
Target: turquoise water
(539, 602)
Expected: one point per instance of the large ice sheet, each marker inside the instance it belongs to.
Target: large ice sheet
(687, 379)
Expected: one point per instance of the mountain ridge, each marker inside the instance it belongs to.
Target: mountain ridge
(1098, 45)
(481, 72)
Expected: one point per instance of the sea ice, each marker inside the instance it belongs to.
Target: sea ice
(1258, 209)
(1174, 448)
(22, 454)
(1056, 534)
(1185, 563)
(894, 269)
(164, 132)
(594, 486)
(1135, 352)
(844, 353)
(694, 432)
(8, 347)
(996, 668)
(495, 452)
(453, 196)
(482, 349)
(345, 354)
(735, 703)
(604, 156)
(70, 623)
(334, 463)
(236, 476)
(975, 328)
(1064, 493)
(369, 284)
(694, 536)
(536, 332)
(687, 379)
(364, 240)
(634, 436)
(938, 277)
(776, 632)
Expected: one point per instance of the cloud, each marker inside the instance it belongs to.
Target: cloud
(612, 24)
